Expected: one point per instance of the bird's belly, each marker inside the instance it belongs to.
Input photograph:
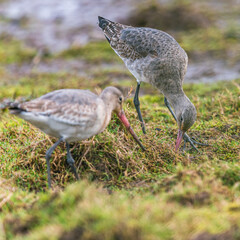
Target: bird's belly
(54, 128)
(160, 73)
(139, 69)
(40, 122)
(73, 133)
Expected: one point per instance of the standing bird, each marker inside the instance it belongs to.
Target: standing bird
(72, 115)
(155, 57)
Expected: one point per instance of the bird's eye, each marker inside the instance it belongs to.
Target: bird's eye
(181, 119)
(120, 99)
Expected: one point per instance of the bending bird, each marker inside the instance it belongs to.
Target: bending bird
(155, 57)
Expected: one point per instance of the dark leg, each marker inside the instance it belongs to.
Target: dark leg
(186, 138)
(169, 108)
(71, 161)
(48, 156)
(137, 106)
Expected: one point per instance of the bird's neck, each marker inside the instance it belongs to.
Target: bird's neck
(179, 102)
(108, 113)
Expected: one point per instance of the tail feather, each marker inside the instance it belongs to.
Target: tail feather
(14, 107)
(110, 29)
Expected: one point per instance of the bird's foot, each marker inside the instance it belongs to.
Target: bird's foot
(143, 128)
(192, 142)
(71, 163)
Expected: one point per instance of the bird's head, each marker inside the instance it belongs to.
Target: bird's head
(113, 99)
(185, 120)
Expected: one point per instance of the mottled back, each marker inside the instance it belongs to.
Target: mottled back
(146, 51)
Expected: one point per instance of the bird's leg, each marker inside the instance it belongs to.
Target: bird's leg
(48, 156)
(71, 161)
(186, 138)
(169, 108)
(137, 106)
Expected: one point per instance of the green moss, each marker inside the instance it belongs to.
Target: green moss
(230, 175)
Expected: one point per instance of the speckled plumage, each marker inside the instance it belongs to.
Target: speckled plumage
(151, 55)
(152, 61)
(155, 57)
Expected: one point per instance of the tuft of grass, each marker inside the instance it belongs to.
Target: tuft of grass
(229, 175)
(113, 157)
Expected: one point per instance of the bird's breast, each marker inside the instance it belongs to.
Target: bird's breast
(138, 68)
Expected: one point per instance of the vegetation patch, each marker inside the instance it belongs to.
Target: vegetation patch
(125, 193)
(86, 211)
(230, 175)
(13, 51)
(93, 52)
(233, 233)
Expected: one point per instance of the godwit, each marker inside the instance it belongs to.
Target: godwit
(72, 115)
(155, 57)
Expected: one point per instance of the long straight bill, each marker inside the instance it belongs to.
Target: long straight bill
(125, 121)
(179, 138)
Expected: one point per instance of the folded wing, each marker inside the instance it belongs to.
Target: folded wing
(70, 106)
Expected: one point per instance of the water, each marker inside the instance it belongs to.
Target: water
(57, 25)
(212, 71)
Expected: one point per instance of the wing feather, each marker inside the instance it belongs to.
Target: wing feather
(74, 107)
(136, 43)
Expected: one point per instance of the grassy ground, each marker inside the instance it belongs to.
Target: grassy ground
(124, 193)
